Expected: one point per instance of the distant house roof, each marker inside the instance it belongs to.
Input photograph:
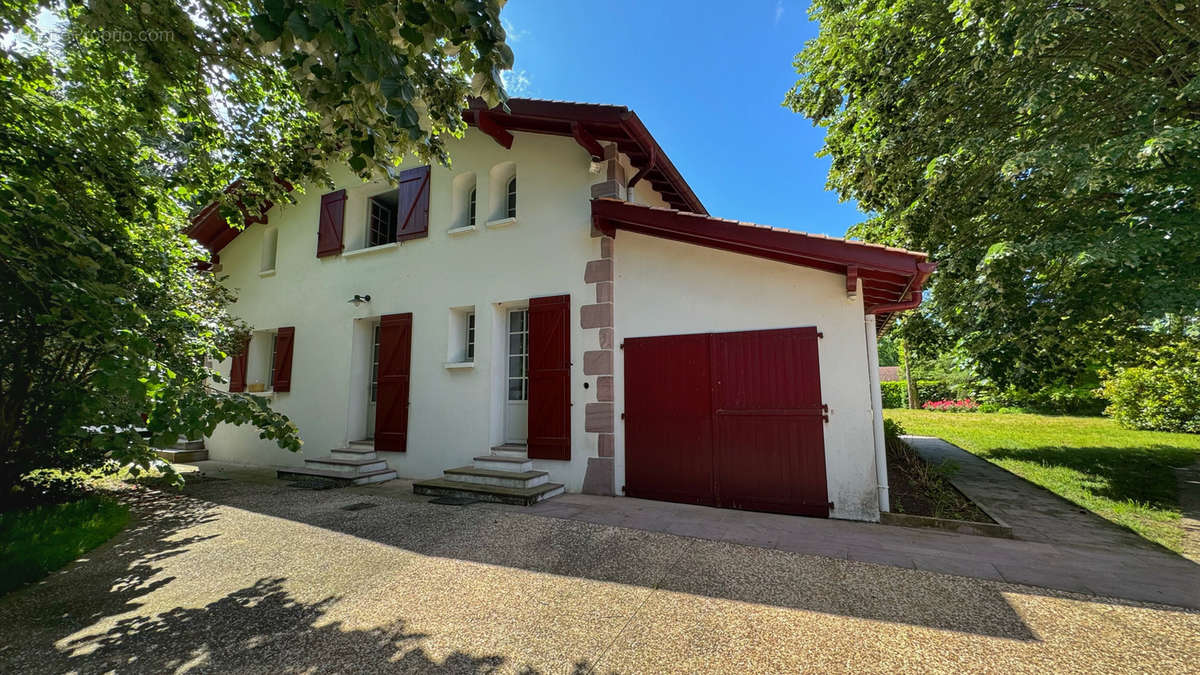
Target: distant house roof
(889, 373)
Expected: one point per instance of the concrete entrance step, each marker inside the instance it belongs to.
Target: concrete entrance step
(510, 450)
(341, 478)
(514, 479)
(353, 452)
(347, 464)
(441, 487)
(183, 456)
(503, 463)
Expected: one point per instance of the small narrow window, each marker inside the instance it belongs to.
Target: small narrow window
(471, 208)
(381, 220)
(269, 246)
(511, 204)
(471, 337)
(274, 345)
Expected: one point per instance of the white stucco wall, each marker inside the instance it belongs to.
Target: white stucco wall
(670, 288)
(454, 414)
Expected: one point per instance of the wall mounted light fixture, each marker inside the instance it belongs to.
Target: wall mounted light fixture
(359, 299)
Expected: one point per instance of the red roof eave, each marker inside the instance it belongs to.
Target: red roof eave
(892, 278)
(589, 123)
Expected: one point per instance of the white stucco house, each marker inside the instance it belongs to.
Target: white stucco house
(557, 311)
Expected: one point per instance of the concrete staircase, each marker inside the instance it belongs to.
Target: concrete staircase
(354, 465)
(505, 476)
(184, 451)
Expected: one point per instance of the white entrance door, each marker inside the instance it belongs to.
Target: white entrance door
(516, 417)
(374, 382)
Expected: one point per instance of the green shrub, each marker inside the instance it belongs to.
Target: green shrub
(1053, 400)
(895, 394)
(892, 429)
(1163, 394)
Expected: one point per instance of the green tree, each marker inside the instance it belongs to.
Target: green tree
(889, 350)
(123, 119)
(1046, 154)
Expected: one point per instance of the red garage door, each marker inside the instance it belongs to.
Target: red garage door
(726, 419)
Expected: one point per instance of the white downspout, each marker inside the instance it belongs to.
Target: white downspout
(877, 413)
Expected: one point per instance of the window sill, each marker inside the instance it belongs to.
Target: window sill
(458, 365)
(269, 393)
(502, 222)
(371, 249)
(462, 230)
(266, 273)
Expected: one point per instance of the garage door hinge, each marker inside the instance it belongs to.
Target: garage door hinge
(622, 415)
(820, 334)
(825, 413)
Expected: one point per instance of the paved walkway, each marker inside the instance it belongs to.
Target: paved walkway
(246, 576)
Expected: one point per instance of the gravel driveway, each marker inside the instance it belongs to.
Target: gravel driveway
(251, 577)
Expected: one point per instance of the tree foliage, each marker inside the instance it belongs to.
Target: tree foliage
(119, 122)
(1046, 154)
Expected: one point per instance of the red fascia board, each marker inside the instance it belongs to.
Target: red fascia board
(766, 242)
(891, 278)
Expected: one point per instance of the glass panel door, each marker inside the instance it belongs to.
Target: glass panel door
(517, 413)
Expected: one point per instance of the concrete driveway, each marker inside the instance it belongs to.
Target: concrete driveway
(259, 577)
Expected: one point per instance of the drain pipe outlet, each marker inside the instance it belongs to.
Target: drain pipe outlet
(881, 478)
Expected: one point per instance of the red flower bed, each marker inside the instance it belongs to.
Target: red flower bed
(961, 405)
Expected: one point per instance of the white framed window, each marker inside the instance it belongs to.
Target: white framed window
(471, 336)
(460, 347)
(518, 355)
(374, 365)
(381, 219)
(260, 362)
(274, 346)
(502, 195)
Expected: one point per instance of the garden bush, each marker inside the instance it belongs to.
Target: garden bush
(1162, 394)
(895, 394)
(1053, 400)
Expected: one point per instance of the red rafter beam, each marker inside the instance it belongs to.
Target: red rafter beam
(489, 125)
(587, 141)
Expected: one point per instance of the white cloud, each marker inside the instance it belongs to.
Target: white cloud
(511, 32)
(778, 11)
(516, 82)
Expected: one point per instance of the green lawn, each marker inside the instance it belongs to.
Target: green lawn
(1122, 475)
(37, 541)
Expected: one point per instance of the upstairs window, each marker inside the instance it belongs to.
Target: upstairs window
(381, 219)
(510, 210)
(471, 202)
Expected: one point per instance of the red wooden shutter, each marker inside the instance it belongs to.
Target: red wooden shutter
(237, 371)
(412, 209)
(391, 398)
(284, 338)
(550, 377)
(329, 229)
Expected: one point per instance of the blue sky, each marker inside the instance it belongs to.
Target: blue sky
(706, 79)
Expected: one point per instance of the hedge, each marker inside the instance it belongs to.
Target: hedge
(895, 394)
